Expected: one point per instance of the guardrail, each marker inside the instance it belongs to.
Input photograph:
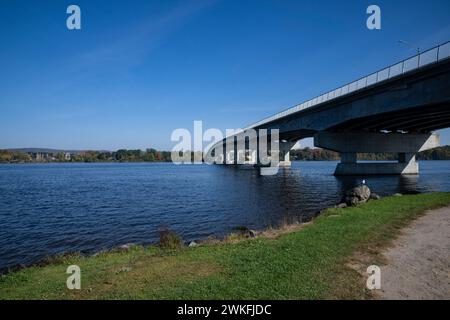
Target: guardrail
(418, 61)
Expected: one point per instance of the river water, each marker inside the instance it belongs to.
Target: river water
(46, 209)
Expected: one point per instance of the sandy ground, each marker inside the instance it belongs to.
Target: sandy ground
(419, 261)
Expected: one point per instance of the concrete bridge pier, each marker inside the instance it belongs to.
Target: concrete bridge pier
(405, 165)
(244, 150)
(237, 153)
(231, 151)
(285, 157)
(406, 145)
(408, 162)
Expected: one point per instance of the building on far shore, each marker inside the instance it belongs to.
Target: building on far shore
(41, 156)
(51, 156)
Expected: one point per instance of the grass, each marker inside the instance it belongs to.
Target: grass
(169, 239)
(316, 262)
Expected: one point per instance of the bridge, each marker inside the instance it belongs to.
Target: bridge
(394, 110)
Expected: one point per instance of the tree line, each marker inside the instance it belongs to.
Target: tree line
(122, 155)
(309, 154)
(153, 155)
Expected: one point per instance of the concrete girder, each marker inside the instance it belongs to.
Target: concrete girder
(350, 144)
(393, 120)
(371, 142)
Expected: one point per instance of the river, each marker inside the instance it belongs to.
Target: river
(47, 209)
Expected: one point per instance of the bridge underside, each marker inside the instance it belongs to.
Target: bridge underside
(349, 144)
(423, 119)
(382, 133)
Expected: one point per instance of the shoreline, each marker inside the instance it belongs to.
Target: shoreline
(160, 162)
(299, 263)
(240, 233)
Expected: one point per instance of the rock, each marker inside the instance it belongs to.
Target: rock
(374, 196)
(341, 205)
(125, 247)
(357, 195)
(193, 244)
(246, 232)
(252, 233)
(397, 195)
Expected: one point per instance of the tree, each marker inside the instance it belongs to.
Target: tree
(5, 156)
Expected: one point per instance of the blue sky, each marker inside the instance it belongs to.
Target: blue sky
(140, 69)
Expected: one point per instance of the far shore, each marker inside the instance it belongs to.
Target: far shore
(159, 162)
(41, 155)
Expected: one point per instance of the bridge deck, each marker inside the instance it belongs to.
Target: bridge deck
(398, 70)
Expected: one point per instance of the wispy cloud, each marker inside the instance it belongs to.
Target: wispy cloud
(436, 37)
(234, 109)
(132, 46)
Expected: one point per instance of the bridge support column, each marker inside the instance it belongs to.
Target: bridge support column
(349, 157)
(285, 156)
(377, 168)
(409, 163)
(231, 153)
(349, 144)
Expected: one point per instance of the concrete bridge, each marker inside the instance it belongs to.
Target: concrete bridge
(393, 110)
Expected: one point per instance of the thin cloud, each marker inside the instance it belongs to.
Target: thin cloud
(133, 46)
(242, 109)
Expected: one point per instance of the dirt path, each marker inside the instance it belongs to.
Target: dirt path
(419, 261)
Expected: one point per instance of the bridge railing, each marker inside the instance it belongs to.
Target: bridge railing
(420, 60)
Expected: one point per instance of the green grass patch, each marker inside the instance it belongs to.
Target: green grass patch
(312, 263)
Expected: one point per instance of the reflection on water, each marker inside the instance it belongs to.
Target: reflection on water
(53, 208)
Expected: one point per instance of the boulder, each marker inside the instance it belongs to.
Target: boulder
(357, 195)
(193, 244)
(125, 247)
(246, 232)
(252, 233)
(374, 196)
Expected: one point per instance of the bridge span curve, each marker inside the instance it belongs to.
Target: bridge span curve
(393, 110)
